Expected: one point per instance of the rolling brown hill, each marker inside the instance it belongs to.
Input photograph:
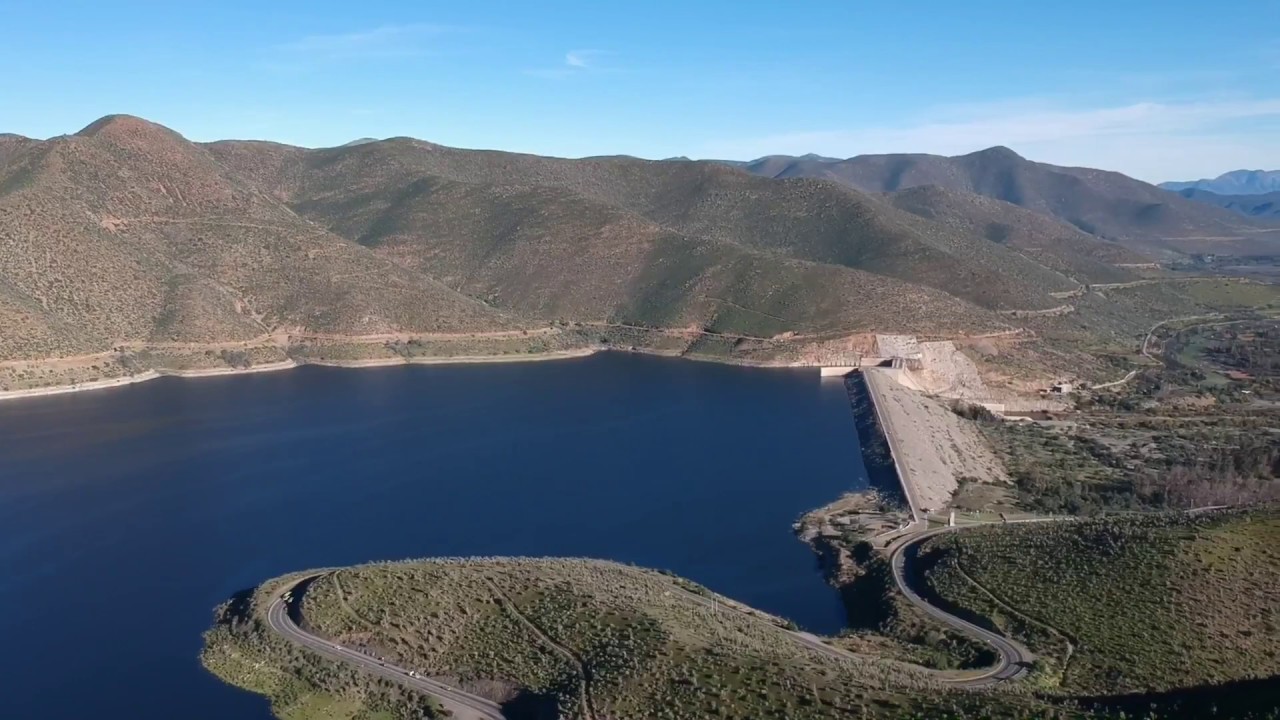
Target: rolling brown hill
(127, 233)
(389, 194)
(11, 144)
(1043, 238)
(1105, 204)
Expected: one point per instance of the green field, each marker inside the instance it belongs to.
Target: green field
(1129, 603)
(1231, 294)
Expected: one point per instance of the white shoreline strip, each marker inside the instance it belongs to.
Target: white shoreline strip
(375, 363)
(211, 372)
(286, 365)
(79, 387)
(457, 360)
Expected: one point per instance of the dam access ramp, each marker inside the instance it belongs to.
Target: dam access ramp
(931, 447)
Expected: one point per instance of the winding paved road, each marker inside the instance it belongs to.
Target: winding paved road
(463, 705)
(1014, 658)
(1012, 663)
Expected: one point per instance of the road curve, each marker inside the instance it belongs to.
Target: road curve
(463, 705)
(1014, 658)
(1010, 652)
(1006, 669)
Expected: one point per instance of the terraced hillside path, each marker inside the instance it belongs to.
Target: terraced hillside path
(1046, 312)
(1158, 281)
(1067, 638)
(1145, 348)
(1146, 342)
(584, 671)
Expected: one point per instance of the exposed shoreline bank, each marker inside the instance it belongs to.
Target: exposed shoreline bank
(291, 363)
(213, 372)
(286, 365)
(79, 387)
(457, 359)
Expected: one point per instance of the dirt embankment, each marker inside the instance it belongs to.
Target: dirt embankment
(915, 450)
(932, 446)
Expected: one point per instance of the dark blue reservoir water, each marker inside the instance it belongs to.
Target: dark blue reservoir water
(126, 515)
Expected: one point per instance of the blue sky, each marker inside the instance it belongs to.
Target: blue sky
(1160, 90)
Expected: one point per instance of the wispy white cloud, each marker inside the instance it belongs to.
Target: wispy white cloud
(576, 62)
(387, 41)
(1152, 140)
(580, 58)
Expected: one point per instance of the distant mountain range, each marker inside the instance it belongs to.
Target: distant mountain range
(1236, 182)
(1104, 204)
(128, 232)
(1264, 205)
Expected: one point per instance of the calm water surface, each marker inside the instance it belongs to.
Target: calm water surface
(126, 515)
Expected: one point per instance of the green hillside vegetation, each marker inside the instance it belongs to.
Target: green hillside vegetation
(1197, 427)
(127, 232)
(1128, 603)
(548, 254)
(131, 243)
(1233, 295)
(569, 637)
(713, 245)
(884, 623)
(1050, 242)
(436, 198)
